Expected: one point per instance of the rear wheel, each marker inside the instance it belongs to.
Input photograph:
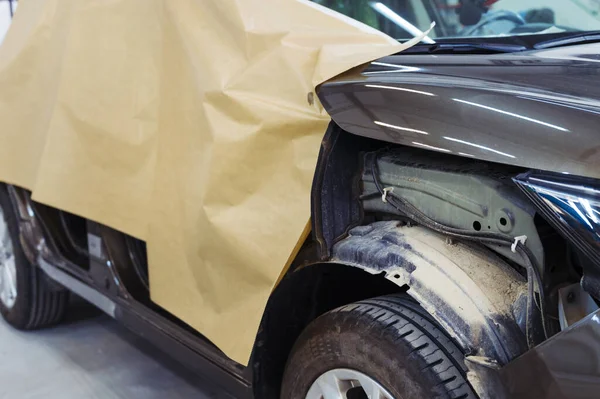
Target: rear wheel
(28, 300)
(384, 348)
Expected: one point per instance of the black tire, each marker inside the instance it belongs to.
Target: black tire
(39, 302)
(390, 339)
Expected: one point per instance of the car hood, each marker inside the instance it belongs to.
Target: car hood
(535, 109)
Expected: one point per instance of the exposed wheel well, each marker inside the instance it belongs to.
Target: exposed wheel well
(302, 296)
(461, 285)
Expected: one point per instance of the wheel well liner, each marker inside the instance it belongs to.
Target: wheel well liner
(472, 293)
(468, 289)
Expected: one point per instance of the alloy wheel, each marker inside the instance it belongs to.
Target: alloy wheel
(346, 384)
(8, 267)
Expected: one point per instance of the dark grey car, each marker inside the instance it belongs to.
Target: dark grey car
(455, 247)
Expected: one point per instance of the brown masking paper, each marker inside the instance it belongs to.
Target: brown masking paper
(184, 123)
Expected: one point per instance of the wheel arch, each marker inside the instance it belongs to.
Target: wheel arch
(302, 295)
(475, 296)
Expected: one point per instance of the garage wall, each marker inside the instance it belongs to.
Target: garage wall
(7, 8)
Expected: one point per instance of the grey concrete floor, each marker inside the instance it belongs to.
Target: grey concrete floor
(90, 356)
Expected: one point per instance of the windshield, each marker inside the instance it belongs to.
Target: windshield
(403, 19)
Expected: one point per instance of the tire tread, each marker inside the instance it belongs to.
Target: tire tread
(40, 303)
(48, 304)
(403, 324)
(447, 362)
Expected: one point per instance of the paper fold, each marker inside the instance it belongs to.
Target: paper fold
(185, 123)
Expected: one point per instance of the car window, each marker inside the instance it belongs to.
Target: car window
(381, 15)
(402, 19)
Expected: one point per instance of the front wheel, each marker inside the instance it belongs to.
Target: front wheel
(383, 348)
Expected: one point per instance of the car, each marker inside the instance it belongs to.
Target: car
(455, 218)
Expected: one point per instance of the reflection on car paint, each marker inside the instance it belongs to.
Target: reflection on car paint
(479, 146)
(511, 114)
(559, 104)
(571, 204)
(557, 132)
(431, 147)
(425, 93)
(406, 129)
(396, 68)
(583, 210)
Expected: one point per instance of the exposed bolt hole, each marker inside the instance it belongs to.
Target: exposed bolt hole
(477, 225)
(489, 227)
(503, 221)
(357, 393)
(396, 276)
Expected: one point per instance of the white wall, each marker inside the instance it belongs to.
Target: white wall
(5, 16)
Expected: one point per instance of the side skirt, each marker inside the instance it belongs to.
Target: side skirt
(183, 346)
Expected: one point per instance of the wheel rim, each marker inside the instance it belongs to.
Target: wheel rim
(346, 384)
(8, 268)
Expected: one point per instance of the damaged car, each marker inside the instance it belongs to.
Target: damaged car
(455, 224)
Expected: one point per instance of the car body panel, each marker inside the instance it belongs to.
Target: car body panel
(535, 109)
(564, 366)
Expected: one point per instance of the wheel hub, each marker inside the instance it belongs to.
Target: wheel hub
(346, 384)
(8, 268)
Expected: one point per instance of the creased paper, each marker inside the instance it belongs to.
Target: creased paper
(186, 123)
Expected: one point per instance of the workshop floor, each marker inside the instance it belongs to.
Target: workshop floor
(90, 356)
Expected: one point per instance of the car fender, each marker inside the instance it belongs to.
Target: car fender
(534, 109)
